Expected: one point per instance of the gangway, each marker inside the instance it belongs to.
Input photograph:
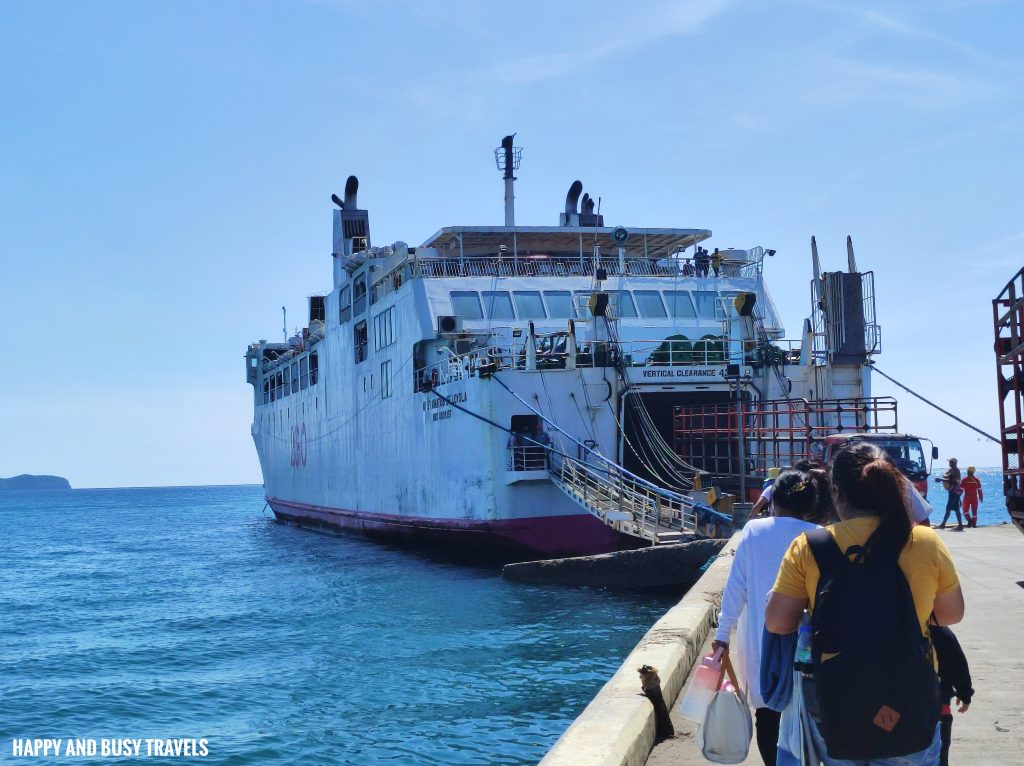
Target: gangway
(622, 500)
(626, 503)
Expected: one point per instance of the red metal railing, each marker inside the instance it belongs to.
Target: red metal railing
(776, 432)
(1008, 322)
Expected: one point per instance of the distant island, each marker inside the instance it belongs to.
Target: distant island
(28, 481)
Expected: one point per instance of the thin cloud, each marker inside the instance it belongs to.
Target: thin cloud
(620, 36)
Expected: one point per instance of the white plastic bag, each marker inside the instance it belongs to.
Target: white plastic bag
(725, 735)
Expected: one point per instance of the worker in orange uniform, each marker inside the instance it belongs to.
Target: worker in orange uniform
(973, 495)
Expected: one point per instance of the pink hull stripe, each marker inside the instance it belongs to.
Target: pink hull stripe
(575, 535)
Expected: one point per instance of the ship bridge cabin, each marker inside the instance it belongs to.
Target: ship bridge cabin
(487, 287)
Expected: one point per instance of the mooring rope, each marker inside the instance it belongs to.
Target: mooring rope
(933, 404)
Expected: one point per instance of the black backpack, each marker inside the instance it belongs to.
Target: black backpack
(877, 692)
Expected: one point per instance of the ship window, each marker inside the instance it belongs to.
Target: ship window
(285, 384)
(497, 305)
(295, 377)
(679, 304)
(729, 303)
(345, 304)
(649, 303)
(466, 304)
(622, 303)
(317, 311)
(304, 373)
(529, 305)
(314, 368)
(266, 391)
(359, 296)
(385, 379)
(559, 304)
(708, 305)
(360, 341)
(384, 328)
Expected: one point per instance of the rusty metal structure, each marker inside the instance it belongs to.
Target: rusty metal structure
(1008, 323)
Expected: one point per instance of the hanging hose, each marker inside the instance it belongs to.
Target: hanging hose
(961, 421)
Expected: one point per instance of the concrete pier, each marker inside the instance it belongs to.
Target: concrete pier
(990, 562)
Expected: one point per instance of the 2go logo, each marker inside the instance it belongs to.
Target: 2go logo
(299, 445)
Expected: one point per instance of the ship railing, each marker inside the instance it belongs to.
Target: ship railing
(561, 266)
(527, 458)
(556, 266)
(552, 352)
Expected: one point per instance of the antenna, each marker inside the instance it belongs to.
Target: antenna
(284, 323)
(506, 157)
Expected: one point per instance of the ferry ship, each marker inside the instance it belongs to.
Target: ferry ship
(554, 390)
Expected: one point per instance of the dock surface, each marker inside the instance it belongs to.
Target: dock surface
(990, 562)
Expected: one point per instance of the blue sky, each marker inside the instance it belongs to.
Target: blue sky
(167, 168)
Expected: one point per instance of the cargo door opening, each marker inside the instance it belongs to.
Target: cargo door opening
(650, 439)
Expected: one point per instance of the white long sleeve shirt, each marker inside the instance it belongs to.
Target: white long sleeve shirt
(762, 544)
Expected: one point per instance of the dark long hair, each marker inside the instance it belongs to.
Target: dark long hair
(824, 511)
(794, 495)
(867, 481)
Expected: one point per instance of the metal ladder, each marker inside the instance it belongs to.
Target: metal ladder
(624, 502)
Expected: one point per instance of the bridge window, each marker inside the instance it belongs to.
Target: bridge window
(295, 377)
(466, 304)
(679, 304)
(622, 304)
(649, 303)
(529, 305)
(559, 304)
(304, 373)
(729, 303)
(266, 390)
(498, 305)
(314, 368)
(708, 305)
(345, 304)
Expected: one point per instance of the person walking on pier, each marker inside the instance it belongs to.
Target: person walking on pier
(971, 485)
(762, 544)
(871, 580)
(951, 483)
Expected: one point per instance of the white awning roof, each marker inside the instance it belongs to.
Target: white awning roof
(655, 243)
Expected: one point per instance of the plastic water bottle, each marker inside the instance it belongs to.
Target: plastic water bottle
(802, 661)
(702, 688)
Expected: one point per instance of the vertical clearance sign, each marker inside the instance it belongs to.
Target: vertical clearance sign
(706, 374)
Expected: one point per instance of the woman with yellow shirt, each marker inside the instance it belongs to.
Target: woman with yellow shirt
(874, 528)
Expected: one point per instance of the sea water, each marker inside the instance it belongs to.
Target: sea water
(190, 614)
(992, 510)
